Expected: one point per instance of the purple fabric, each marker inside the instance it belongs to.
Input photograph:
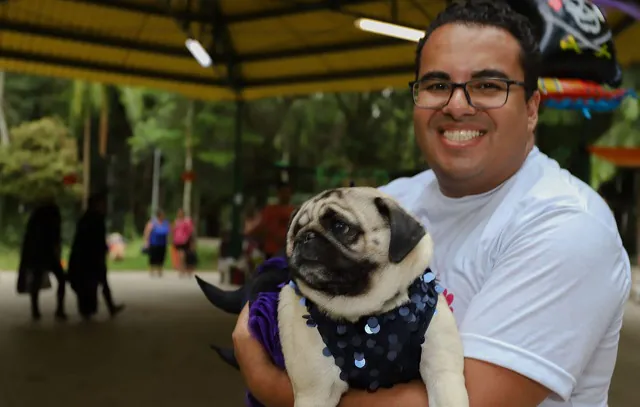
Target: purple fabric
(263, 322)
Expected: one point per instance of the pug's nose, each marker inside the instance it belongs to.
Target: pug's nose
(307, 237)
(307, 247)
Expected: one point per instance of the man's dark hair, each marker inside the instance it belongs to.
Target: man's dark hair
(493, 13)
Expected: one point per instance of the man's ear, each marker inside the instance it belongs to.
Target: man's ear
(406, 232)
(533, 107)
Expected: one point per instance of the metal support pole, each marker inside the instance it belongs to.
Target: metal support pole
(236, 232)
(155, 192)
(188, 165)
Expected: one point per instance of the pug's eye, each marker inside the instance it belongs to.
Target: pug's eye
(340, 227)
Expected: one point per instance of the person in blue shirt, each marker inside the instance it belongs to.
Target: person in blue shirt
(156, 236)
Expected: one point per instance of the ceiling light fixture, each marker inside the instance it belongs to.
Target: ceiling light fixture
(388, 29)
(199, 53)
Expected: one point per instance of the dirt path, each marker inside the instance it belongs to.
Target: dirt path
(156, 353)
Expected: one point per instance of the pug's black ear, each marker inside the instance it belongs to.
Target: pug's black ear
(406, 232)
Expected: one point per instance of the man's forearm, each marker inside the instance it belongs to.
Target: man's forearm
(273, 389)
(270, 385)
(412, 394)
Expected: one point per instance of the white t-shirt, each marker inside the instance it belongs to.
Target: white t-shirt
(538, 275)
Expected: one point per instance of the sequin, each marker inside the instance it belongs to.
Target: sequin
(303, 302)
(339, 361)
(358, 355)
(428, 277)
(439, 289)
(344, 376)
(341, 329)
(326, 352)
(392, 355)
(374, 385)
(373, 322)
(416, 299)
(371, 331)
(342, 344)
(432, 302)
(360, 363)
(412, 318)
(393, 338)
(370, 343)
(292, 284)
(403, 311)
(311, 323)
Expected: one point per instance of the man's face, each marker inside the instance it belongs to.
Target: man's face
(459, 53)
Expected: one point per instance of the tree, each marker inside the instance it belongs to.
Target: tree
(41, 154)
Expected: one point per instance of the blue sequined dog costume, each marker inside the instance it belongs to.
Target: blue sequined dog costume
(381, 350)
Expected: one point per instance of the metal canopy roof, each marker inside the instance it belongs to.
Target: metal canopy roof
(261, 48)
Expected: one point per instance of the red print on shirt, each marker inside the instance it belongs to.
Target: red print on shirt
(449, 297)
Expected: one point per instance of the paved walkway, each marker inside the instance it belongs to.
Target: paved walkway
(156, 353)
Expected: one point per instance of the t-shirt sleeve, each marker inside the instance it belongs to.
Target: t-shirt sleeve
(559, 282)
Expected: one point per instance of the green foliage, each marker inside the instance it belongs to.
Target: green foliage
(40, 155)
(31, 97)
(625, 131)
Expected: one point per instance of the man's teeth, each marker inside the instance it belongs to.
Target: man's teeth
(461, 135)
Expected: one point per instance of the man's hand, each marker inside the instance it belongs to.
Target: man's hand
(267, 382)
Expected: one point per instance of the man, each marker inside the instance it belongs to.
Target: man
(530, 254)
(88, 260)
(40, 255)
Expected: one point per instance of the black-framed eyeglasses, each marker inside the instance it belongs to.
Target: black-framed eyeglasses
(482, 93)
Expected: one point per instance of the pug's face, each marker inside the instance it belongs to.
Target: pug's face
(351, 242)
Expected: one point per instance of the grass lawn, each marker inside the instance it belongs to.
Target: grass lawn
(134, 258)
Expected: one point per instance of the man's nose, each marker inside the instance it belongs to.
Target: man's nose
(458, 105)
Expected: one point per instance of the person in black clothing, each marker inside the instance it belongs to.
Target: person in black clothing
(88, 260)
(40, 254)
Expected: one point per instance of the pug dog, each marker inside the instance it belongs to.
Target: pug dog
(362, 309)
(359, 265)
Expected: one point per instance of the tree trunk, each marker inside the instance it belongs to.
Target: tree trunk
(104, 122)
(86, 160)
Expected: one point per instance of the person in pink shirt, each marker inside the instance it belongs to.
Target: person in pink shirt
(183, 242)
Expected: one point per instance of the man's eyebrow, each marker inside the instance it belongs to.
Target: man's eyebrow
(435, 75)
(489, 73)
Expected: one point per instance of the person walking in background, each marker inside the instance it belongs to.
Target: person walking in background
(271, 230)
(88, 260)
(156, 235)
(183, 242)
(40, 254)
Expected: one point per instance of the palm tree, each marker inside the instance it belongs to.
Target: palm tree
(87, 99)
